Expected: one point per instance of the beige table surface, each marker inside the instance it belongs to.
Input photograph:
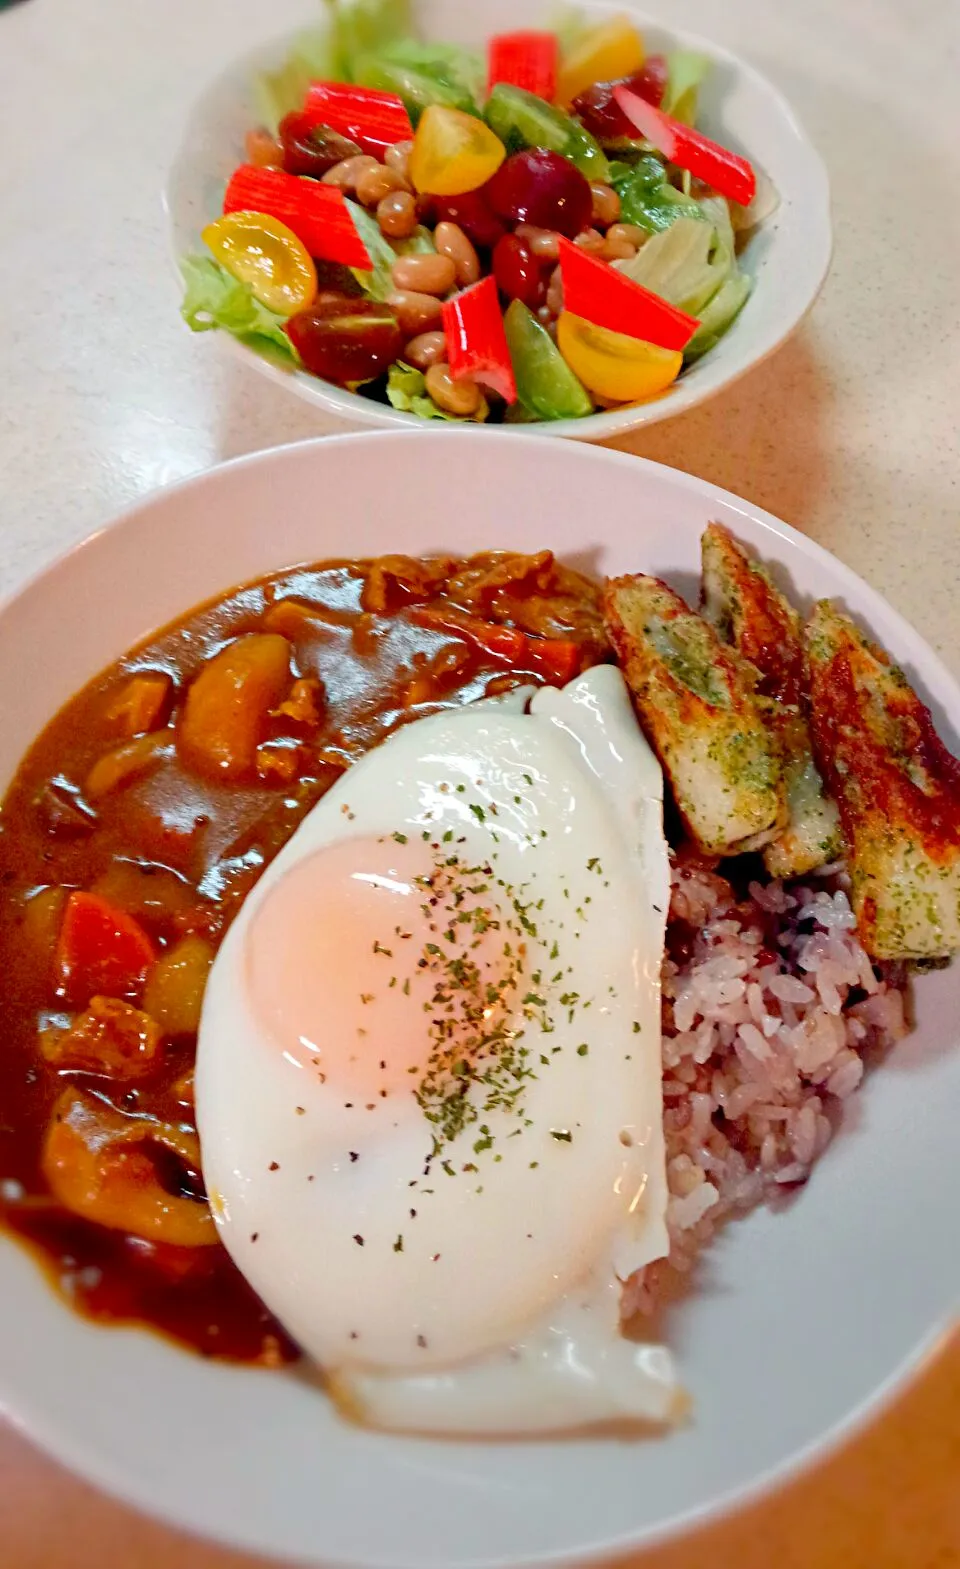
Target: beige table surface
(850, 433)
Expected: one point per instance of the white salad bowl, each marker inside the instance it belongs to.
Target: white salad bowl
(799, 1323)
(787, 257)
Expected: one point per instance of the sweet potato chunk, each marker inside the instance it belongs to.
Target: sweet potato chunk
(128, 762)
(140, 703)
(40, 927)
(225, 715)
(115, 1171)
(741, 600)
(898, 789)
(299, 622)
(175, 986)
(696, 702)
(150, 893)
(110, 1037)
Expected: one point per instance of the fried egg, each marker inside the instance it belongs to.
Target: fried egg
(428, 1073)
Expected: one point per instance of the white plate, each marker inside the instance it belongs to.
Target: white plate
(788, 257)
(802, 1321)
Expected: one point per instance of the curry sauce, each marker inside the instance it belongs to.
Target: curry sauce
(164, 788)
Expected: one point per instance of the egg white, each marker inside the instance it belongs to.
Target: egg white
(493, 1306)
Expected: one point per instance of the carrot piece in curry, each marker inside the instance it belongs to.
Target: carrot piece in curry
(100, 950)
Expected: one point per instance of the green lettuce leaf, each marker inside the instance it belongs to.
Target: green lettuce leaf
(570, 25)
(407, 391)
(685, 72)
(420, 74)
(331, 52)
(716, 209)
(444, 62)
(685, 264)
(693, 264)
(647, 198)
(378, 284)
(277, 92)
(720, 314)
(362, 27)
(213, 298)
(419, 243)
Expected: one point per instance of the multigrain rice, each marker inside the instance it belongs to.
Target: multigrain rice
(771, 1010)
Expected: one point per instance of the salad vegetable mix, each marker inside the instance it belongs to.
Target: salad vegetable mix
(530, 237)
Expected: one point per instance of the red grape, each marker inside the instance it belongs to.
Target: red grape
(309, 148)
(473, 213)
(542, 188)
(518, 273)
(344, 339)
(602, 115)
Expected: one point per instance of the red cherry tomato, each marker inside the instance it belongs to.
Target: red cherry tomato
(346, 340)
(518, 273)
(602, 115)
(309, 148)
(473, 213)
(543, 188)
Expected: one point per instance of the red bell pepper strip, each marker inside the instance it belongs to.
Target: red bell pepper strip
(555, 659)
(599, 293)
(527, 60)
(317, 214)
(727, 173)
(476, 340)
(101, 950)
(372, 119)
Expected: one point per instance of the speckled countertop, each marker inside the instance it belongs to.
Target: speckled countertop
(850, 433)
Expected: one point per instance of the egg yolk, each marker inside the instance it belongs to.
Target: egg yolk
(386, 966)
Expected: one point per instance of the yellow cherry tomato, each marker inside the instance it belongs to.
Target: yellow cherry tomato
(453, 152)
(605, 53)
(264, 253)
(611, 365)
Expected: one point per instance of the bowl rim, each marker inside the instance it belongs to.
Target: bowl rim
(600, 426)
(67, 1446)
